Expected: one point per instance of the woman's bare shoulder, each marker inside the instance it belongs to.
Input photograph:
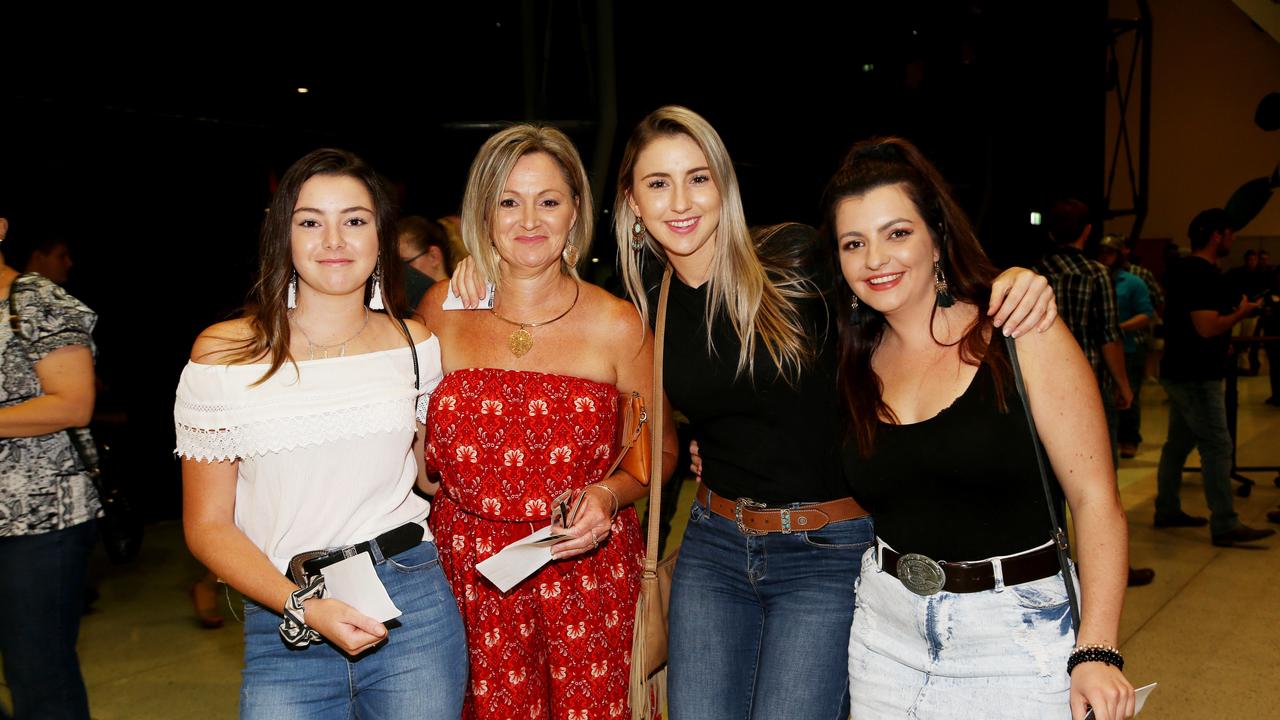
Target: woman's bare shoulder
(220, 343)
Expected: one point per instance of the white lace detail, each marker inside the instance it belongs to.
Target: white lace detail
(220, 414)
(262, 437)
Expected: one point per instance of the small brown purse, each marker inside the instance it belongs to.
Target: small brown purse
(647, 692)
(634, 444)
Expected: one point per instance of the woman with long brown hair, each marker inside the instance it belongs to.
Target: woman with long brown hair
(296, 427)
(962, 609)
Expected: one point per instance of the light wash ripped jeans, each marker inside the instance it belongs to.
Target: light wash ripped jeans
(1001, 653)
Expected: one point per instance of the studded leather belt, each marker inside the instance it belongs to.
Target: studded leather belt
(925, 576)
(755, 518)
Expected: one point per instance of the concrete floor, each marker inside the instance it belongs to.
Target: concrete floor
(1206, 630)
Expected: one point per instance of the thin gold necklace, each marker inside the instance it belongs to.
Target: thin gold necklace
(520, 341)
(342, 346)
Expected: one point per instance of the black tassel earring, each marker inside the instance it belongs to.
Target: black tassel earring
(945, 298)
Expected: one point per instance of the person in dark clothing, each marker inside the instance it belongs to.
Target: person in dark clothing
(1200, 313)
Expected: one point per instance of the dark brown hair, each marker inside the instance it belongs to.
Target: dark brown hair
(267, 309)
(893, 161)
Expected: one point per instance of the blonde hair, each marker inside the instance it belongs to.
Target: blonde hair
(488, 178)
(756, 299)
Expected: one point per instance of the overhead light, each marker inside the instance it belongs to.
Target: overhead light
(868, 67)
(595, 259)
(1035, 218)
(303, 91)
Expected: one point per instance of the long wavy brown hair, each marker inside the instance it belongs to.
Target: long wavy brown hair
(893, 161)
(267, 309)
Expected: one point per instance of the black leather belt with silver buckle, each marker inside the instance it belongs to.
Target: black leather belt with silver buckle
(392, 542)
(925, 576)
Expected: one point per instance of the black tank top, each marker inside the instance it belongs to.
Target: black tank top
(962, 485)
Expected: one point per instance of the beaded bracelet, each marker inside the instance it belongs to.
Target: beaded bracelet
(606, 488)
(1095, 653)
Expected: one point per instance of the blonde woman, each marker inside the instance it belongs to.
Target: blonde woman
(527, 410)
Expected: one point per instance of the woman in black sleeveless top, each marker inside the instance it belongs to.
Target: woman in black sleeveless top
(939, 451)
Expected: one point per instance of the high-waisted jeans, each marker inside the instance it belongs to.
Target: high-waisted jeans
(1000, 653)
(419, 672)
(759, 625)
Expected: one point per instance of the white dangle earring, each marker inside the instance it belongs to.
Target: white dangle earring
(375, 295)
(293, 291)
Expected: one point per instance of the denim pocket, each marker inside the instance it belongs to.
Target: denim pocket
(697, 513)
(1041, 594)
(251, 607)
(844, 535)
(415, 559)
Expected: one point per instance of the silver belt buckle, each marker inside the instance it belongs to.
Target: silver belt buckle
(749, 504)
(921, 575)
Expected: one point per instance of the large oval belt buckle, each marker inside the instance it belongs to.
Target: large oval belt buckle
(921, 575)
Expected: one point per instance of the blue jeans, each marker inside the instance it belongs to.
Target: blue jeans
(1197, 418)
(41, 600)
(1000, 653)
(419, 672)
(759, 626)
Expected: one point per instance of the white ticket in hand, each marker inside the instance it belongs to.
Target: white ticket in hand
(1141, 699)
(518, 560)
(454, 301)
(356, 583)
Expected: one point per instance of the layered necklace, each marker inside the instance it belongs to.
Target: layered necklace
(313, 348)
(520, 341)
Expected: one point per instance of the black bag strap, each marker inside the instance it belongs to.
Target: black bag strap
(413, 351)
(1059, 535)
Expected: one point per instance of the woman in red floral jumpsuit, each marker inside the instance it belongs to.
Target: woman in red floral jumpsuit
(527, 410)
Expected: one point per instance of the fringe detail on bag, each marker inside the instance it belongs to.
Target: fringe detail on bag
(646, 695)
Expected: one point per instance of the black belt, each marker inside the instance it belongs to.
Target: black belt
(925, 576)
(392, 542)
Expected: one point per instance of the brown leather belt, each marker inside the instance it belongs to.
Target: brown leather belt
(924, 576)
(755, 518)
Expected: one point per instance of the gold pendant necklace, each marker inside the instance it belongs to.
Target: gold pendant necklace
(520, 341)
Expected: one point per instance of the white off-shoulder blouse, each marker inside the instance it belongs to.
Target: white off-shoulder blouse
(323, 451)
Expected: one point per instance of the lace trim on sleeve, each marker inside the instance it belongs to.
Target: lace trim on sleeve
(275, 435)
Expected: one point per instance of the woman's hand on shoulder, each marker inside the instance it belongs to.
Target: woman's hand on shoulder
(221, 342)
(1022, 301)
(1105, 689)
(467, 283)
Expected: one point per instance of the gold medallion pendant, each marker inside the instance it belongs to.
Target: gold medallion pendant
(519, 342)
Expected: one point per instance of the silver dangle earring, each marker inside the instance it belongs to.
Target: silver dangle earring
(638, 231)
(292, 302)
(940, 288)
(853, 304)
(375, 295)
(570, 254)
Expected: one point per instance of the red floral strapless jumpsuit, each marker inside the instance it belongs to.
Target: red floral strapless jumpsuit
(506, 443)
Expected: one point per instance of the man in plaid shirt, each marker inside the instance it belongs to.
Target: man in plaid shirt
(1087, 304)
(1087, 301)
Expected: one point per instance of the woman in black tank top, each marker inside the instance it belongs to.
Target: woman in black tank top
(940, 452)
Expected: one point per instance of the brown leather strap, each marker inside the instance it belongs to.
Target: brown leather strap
(657, 416)
(967, 577)
(758, 519)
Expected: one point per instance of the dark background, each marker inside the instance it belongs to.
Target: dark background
(154, 153)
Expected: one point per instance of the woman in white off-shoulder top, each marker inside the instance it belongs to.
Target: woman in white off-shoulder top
(298, 427)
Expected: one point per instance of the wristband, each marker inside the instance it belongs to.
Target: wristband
(293, 626)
